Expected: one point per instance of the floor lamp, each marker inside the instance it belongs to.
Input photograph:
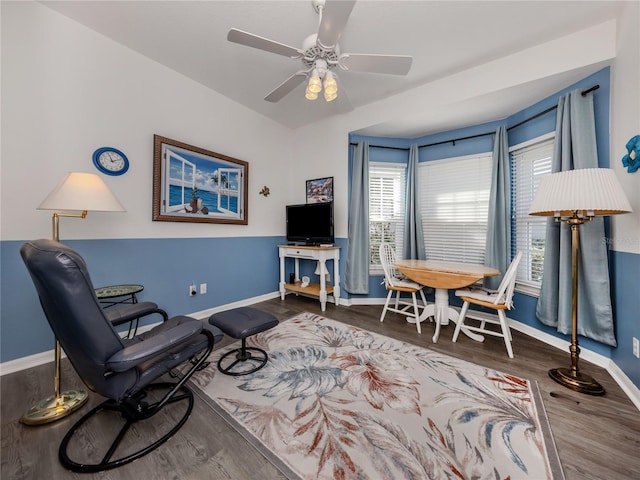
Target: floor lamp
(76, 192)
(575, 197)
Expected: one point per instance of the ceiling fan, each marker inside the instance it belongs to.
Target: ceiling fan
(320, 54)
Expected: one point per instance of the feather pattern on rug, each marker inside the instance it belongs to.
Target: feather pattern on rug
(339, 402)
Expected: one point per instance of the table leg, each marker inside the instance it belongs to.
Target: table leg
(323, 285)
(336, 281)
(282, 290)
(442, 312)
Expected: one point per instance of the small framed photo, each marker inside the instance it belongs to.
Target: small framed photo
(320, 190)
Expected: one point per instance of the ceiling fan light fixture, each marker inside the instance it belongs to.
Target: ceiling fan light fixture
(330, 97)
(330, 85)
(310, 95)
(315, 83)
(320, 52)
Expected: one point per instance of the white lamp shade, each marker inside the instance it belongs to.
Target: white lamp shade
(82, 191)
(588, 191)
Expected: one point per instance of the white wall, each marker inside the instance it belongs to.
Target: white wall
(625, 123)
(67, 91)
(79, 95)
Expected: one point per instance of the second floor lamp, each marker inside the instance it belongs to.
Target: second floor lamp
(575, 197)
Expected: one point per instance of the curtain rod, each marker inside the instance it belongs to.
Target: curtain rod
(539, 114)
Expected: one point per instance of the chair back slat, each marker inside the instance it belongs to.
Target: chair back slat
(505, 290)
(388, 261)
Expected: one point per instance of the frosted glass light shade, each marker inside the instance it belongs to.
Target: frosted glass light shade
(588, 191)
(315, 83)
(330, 97)
(82, 191)
(330, 84)
(310, 95)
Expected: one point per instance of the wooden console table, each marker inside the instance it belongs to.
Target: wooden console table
(319, 254)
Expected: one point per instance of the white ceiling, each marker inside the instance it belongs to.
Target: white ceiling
(444, 37)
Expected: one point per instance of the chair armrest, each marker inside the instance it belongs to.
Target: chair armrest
(123, 313)
(134, 354)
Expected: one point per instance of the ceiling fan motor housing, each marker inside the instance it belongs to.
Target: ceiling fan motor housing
(313, 52)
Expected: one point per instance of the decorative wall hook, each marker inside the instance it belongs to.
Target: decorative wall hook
(265, 191)
(632, 159)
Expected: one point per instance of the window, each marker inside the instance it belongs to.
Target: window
(454, 205)
(386, 209)
(529, 162)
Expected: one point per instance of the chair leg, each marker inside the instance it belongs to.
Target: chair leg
(243, 354)
(416, 312)
(130, 416)
(505, 332)
(424, 299)
(463, 313)
(135, 409)
(386, 305)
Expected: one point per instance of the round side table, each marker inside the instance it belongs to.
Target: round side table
(114, 291)
(118, 294)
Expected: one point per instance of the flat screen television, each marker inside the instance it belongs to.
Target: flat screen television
(310, 223)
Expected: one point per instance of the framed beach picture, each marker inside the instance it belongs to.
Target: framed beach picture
(320, 190)
(191, 184)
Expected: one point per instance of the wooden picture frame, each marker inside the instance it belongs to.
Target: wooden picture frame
(191, 184)
(320, 190)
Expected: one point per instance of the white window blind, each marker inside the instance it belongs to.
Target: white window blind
(454, 204)
(528, 164)
(386, 209)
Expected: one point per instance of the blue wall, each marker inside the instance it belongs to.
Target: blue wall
(626, 311)
(624, 267)
(234, 269)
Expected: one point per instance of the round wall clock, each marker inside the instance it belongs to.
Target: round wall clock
(110, 161)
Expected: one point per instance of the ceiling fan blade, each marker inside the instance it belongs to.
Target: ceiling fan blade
(255, 41)
(334, 18)
(286, 87)
(389, 64)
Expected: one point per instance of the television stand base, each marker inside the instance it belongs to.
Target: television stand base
(319, 254)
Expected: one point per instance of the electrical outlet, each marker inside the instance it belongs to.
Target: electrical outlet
(636, 347)
(192, 290)
(203, 288)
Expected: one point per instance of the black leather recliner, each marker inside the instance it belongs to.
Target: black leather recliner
(120, 369)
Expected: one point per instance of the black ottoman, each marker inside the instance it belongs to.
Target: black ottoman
(241, 323)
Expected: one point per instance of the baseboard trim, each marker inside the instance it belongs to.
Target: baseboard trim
(618, 375)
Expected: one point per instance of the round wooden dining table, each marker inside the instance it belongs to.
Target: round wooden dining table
(444, 276)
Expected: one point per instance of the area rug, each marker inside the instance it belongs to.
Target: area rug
(339, 402)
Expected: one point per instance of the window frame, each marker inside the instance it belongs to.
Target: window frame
(527, 286)
(398, 218)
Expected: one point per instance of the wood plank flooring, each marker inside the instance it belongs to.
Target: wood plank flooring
(598, 438)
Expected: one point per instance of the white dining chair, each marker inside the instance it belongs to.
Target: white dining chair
(397, 283)
(498, 300)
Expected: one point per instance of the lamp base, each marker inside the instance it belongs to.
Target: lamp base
(579, 382)
(54, 408)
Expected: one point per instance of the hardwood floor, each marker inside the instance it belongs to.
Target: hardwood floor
(597, 437)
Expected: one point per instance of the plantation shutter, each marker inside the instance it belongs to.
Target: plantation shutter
(528, 164)
(386, 208)
(454, 204)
